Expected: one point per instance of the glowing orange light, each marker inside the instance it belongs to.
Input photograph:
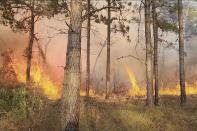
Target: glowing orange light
(175, 91)
(135, 90)
(39, 77)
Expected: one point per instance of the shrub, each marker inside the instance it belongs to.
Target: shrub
(16, 100)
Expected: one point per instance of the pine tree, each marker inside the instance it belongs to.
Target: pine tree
(88, 52)
(181, 52)
(155, 34)
(149, 68)
(31, 11)
(108, 50)
(71, 85)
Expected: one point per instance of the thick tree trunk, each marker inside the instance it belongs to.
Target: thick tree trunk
(71, 86)
(30, 46)
(155, 34)
(149, 64)
(88, 53)
(181, 53)
(108, 51)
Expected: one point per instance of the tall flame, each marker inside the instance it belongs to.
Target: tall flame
(135, 90)
(175, 91)
(39, 77)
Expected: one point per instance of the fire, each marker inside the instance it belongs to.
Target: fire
(39, 77)
(42, 81)
(174, 91)
(91, 93)
(190, 90)
(135, 90)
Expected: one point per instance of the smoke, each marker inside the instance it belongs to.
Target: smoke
(120, 47)
(14, 41)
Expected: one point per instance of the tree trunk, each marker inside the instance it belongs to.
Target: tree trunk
(108, 52)
(88, 53)
(71, 86)
(155, 34)
(30, 47)
(181, 53)
(149, 64)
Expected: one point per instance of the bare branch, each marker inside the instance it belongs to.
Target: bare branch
(103, 45)
(137, 58)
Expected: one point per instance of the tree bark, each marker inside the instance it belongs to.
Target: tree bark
(71, 85)
(30, 47)
(149, 64)
(155, 34)
(108, 51)
(181, 53)
(88, 53)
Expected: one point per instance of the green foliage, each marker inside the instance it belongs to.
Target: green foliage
(167, 16)
(167, 26)
(119, 23)
(17, 100)
(21, 105)
(15, 13)
(21, 102)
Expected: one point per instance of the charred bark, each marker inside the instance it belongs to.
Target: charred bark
(181, 53)
(30, 47)
(108, 51)
(88, 53)
(71, 84)
(155, 34)
(149, 64)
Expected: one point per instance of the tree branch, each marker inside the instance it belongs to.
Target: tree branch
(139, 59)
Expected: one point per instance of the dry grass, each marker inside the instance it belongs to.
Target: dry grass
(134, 115)
(129, 115)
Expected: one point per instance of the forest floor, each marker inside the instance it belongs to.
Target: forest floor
(133, 115)
(130, 115)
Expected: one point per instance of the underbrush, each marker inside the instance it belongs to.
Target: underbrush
(20, 108)
(133, 115)
(24, 110)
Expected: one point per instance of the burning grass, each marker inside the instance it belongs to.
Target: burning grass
(14, 71)
(37, 107)
(42, 79)
(39, 77)
(136, 91)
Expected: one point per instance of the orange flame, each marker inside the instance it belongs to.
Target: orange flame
(91, 93)
(136, 91)
(38, 76)
(41, 79)
(190, 90)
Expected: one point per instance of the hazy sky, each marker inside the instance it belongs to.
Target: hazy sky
(120, 47)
